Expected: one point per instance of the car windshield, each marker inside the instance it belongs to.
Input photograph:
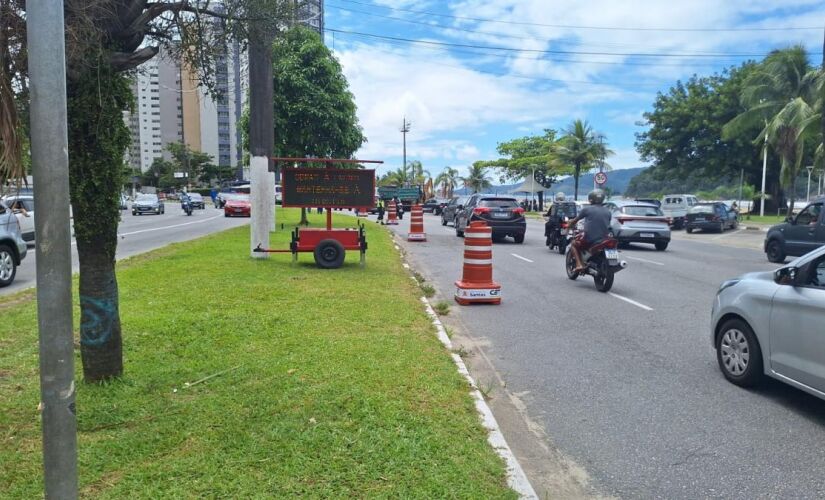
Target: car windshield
(701, 209)
(147, 197)
(195, 196)
(642, 211)
(498, 203)
(238, 197)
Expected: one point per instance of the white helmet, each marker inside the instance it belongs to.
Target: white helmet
(560, 196)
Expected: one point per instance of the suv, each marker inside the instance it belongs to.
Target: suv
(12, 247)
(502, 213)
(676, 206)
(450, 210)
(797, 235)
(23, 208)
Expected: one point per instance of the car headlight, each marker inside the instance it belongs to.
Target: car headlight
(727, 284)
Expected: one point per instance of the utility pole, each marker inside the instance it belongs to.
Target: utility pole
(764, 173)
(405, 127)
(50, 162)
(808, 191)
(261, 139)
(741, 181)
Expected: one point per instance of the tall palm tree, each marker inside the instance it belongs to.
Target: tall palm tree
(448, 180)
(396, 177)
(781, 94)
(477, 179)
(580, 149)
(417, 173)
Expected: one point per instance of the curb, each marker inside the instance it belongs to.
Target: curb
(516, 478)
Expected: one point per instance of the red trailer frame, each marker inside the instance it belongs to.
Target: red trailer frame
(329, 244)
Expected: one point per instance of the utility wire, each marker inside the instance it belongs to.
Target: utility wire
(571, 26)
(546, 51)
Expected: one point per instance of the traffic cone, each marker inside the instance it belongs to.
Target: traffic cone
(477, 285)
(392, 214)
(417, 224)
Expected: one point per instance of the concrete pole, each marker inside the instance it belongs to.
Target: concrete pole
(261, 139)
(764, 173)
(50, 163)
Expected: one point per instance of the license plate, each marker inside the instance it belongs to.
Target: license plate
(238, 210)
(500, 215)
(611, 254)
(647, 235)
(700, 218)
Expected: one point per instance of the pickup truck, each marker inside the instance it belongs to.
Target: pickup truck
(676, 206)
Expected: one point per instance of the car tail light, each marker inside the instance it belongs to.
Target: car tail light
(621, 220)
(481, 210)
(715, 218)
(518, 211)
(670, 220)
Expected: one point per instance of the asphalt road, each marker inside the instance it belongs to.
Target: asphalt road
(626, 383)
(140, 234)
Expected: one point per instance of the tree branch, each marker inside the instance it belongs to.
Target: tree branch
(124, 61)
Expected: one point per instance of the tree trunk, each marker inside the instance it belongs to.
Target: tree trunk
(576, 174)
(304, 219)
(541, 201)
(98, 137)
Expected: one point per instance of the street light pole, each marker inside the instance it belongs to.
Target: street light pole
(808, 192)
(764, 173)
(50, 163)
(405, 127)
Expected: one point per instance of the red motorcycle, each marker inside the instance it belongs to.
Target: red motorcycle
(601, 261)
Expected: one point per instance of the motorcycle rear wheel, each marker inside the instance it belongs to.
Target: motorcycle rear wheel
(570, 266)
(604, 280)
(562, 246)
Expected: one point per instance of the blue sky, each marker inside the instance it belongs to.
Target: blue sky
(602, 60)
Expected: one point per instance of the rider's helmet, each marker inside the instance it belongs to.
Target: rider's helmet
(560, 196)
(596, 197)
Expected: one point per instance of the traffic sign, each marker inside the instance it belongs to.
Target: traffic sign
(601, 178)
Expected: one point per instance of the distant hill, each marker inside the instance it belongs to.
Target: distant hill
(617, 181)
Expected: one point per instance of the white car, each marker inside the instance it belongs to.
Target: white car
(637, 222)
(12, 247)
(23, 207)
(773, 324)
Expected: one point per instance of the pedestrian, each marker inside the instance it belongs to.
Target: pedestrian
(320, 210)
(381, 212)
(213, 193)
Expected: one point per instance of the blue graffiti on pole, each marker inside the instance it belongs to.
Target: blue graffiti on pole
(96, 321)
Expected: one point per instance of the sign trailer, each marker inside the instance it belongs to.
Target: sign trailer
(328, 188)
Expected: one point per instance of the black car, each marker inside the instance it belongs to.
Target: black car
(710, 217)
(798, 235)
(435, 205)
(196, 200)
(502, 213)
(450, 210)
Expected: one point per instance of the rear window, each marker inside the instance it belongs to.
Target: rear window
(640, 211)
(701, 209)
(498, 202)
(674, 201)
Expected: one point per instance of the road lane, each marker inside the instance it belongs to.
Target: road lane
(138, 234)
(634, 395)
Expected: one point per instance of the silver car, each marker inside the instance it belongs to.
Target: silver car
(12, 247)
(773, 324)
(637, 222)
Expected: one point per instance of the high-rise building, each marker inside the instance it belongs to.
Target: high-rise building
(311, 13)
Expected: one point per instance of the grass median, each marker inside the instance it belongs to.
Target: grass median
(323, 384)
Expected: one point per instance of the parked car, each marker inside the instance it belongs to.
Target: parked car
(710, 217)
(12, 246)
(635, 222)
(449, 211)
(797, 235)
(770, 324)
(675, 207)
(22, 205)
(435, 205)
(502, 213)
(237, 205)
(148, 204)
(196, 200)
(652, 201)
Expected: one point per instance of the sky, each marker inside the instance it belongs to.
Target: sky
(468, 74)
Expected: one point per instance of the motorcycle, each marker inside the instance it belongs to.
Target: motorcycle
(187, 207)
(601, 261)
(557, 235)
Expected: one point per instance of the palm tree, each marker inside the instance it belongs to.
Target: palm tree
(448, 179)
(396, 177)
(477, 179)
(580, 149)
(782, 94)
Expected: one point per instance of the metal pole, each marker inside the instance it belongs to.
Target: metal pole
(405, 127)
(50, 162)
(261, 138)
(808, 191)
(764, 173)
(741, 181)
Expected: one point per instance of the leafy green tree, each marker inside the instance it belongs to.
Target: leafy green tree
(580, 149)
(418, 175)
(193, 163)
(526, 155)
(448, 180)
(397, 177)
(477, 179)
(780, 95)
(105, 41)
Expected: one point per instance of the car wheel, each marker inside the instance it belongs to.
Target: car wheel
(661, 245)
(775, 252)
(443, 221)
(329, 254)
(721, 227)
(134, 213)
(519, 238)
(458, 232)
(689, 230)
(8, 269)
(738, 353)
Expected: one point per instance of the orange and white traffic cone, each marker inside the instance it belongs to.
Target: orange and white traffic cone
(477, 285)
(417, 224)
(392, 214)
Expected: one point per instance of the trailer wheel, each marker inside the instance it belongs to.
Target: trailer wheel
(329, 254)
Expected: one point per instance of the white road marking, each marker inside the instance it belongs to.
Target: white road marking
(171, 227)
(520, 257)
(643, 260)
(630, 301)
(725, 235)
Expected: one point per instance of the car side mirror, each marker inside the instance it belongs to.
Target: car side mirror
(785, 275)
(790, 220)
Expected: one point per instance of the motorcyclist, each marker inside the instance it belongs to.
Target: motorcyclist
(596, 219)
(555, 214)
(185, 202)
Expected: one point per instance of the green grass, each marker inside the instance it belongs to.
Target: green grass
(767, 219)
(331, 384)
